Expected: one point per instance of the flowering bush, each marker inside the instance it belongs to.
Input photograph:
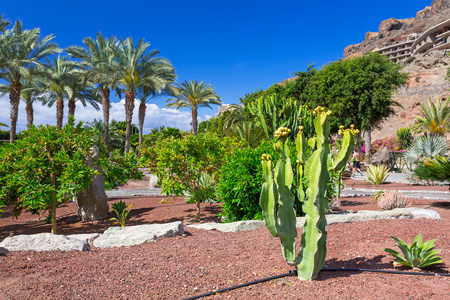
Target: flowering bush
(392, 145)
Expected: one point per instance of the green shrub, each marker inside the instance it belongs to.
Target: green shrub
(118, 168)
(404, 137)
(377, 174)
(180, 164)
(240, 183)
(241, 180)
(417, 255)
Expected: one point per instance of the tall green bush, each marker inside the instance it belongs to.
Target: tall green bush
(240, 183)
(404, 137)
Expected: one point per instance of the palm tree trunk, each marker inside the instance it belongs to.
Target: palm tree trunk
(367, 144)
(194, 120)
(72, 107)
(129, 107)
(14, 99)
(142, 108)
(30, 114)
(59, 112)
(105, 105)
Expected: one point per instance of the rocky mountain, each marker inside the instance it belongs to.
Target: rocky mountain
(427, 73)
(393, 31)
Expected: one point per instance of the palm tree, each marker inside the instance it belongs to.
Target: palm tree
(139, 68)
(56, 83)
(144, 95)
(435, 118)
(31, 92)
(20, 49)
(193, 95)
(3, 24)
(115, 138)
(101, 68)
(82, 91)
(235, 116)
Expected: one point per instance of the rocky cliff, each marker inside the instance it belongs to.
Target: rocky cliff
(393, 31)
(427, 73)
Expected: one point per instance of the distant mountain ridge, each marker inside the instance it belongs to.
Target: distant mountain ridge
(392, 31)
(427, 73)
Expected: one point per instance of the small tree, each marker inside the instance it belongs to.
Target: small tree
(45, 168)
(359, 91)
(180, 164)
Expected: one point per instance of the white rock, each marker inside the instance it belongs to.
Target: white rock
(230, 227)
(87, 237)
(43, 242)
(153, 181)
(425, 213)
(135, 235)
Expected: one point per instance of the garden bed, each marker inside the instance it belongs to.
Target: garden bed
(202, 261)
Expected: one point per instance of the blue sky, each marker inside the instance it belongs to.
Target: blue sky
(236, 46)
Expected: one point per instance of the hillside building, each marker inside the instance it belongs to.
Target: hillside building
(435, 38)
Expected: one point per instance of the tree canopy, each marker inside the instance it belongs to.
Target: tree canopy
(358, 90)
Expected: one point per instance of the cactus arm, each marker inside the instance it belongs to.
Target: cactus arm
(338, 165)
(269, 198)
(312, 255)
(286, 212)
(344, 153)
(300, 145)
(312, 143)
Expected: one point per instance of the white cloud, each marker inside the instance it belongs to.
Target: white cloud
(154, 117)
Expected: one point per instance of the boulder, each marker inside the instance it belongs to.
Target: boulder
(153, 182)
(381, 156)
(92, 204)
(43, 242)
(135, 235)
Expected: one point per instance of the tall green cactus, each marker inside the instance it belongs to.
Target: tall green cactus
(272, 113)
(277, 200)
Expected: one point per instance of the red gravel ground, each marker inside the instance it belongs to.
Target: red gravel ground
(202, 261)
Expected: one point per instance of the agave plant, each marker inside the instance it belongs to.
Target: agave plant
(203, 190)
(377, 174)
(417, 255)
(391, 199)
(426, 146)
(121, 213)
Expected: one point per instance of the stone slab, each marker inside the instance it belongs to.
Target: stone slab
(135, 235)
(43, 242)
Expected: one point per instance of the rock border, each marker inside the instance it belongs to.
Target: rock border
(135, 235)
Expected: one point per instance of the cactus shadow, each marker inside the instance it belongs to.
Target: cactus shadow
(443, 204)
(375, 263)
